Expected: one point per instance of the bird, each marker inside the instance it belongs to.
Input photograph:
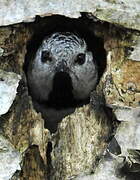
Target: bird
(62, 72)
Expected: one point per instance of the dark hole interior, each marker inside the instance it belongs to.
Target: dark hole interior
(129, 172)
(61, 95)
(49, 160)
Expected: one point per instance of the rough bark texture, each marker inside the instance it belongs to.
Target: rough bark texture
(83, 147)
(120, 12)
(21, 125)
(80, 135)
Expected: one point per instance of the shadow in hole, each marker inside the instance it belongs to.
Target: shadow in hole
(127, 173)
(49, 160)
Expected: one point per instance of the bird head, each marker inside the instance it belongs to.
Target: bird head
(64, 53)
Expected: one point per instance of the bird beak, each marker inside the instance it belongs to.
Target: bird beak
(62, 67)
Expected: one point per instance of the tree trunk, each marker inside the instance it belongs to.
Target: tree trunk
(98, 140)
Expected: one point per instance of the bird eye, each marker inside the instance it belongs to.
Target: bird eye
(45, 56)
(80, 59)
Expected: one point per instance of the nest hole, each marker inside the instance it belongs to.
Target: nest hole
(43, 27)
